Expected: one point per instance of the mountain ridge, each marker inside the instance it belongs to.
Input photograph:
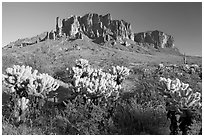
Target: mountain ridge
(100, 29)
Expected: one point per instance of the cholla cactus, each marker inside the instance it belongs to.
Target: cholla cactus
(17, 75)
(34, 82)
(120, 73)
(20, 108)
(96, 82)
(190, 99)
(23, 103)
(99, 83)
(192, 68)
(82, 63)
(180, 98)
(23, 82)
(181, 94)
(42, 85)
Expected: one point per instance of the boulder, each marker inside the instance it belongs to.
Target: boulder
(43, 36)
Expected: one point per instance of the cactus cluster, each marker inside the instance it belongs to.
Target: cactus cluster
(43, 84)
(23, 82)
(93, 81)
(180, 94)
(35, 83)
(181, 101)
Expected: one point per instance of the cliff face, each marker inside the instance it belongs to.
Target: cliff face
(94, 26)
(103, 28)
(157, 38)
(100, 29)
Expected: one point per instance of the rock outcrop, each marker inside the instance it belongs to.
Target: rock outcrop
(94, 26)
(29, 41)
(100, 29)
(104, 28)
(157, 38)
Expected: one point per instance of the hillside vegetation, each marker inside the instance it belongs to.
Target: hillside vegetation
(140, 108)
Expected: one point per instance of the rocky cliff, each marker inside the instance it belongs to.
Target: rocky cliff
(100, 29)
(94, 26)
(157, 38)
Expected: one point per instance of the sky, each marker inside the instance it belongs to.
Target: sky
(181, 20)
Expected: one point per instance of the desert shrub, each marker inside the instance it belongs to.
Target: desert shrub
(86, 118)
(63, 75)
(143, 111)
(135, 118)
(10, 129)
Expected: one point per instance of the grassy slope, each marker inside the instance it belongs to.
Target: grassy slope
(51, 55)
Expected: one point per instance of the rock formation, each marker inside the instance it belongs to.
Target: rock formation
(94, 26)
(29, 41)
(157, 38)
(100, 29)
(51, 35)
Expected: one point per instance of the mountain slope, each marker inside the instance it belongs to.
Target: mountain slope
(51, 55)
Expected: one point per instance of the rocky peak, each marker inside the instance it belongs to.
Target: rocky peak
(95, 26)
(157, 38)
